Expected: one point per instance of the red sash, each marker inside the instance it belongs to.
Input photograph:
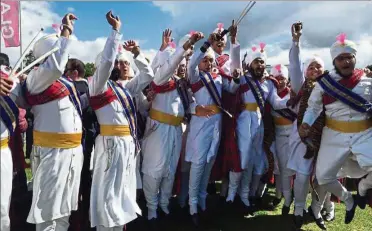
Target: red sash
(222, 59)
(169, 86)
(349, 83)
(198, 85)
(55, 91)
(283, 93)
(99, 101)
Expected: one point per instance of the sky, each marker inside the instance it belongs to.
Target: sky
(267, 22)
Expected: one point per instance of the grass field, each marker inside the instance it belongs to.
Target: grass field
(221, 218)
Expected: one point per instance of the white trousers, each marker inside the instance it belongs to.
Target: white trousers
(301, 189)
(365, 184)
(60, 224)
(242, 180)
(116, 228)
(324, 201)
(157, 191)
(6, 187)
(199, 178)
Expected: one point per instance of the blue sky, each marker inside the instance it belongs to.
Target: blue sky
(140, 20)
(268, 22)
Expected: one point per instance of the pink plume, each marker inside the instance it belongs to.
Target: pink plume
(172, 44)
(278, 67)
(254, 49)
(192, 33)
(220, 26)
(262, 46)
(120, 48)
(341, 38)
(56, 26)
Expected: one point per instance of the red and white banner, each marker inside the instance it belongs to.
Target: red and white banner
(10, 23)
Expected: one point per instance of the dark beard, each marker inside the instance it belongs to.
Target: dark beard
(253, 74)
(340, 74)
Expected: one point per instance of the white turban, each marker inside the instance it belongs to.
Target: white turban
(312, 59)
(219, 29)
(258, 53)
(210, 53)
(127, 56)
(279, 70)
(183, 61)
(342, 46)
(44, 44)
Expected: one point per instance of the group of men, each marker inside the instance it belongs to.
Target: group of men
(205, 112)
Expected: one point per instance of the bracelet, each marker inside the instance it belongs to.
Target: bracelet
(67, 27)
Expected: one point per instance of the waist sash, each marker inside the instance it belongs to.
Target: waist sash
(257, 92)
(9, 113)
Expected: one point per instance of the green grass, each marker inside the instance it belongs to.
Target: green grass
(222, 218)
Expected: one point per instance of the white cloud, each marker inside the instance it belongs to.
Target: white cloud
(70, 9)
(270, 22)
(36, 15)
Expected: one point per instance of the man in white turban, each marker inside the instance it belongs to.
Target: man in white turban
(345, 149)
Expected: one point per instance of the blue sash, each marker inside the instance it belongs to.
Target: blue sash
(345, 95)
(182, 92)
(127, 103)
(9, 113)
(74, 97)
(257, 91)
(208, 82)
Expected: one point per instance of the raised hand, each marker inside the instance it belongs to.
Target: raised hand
(197, 36)
(233, 29)
(166, 39)
(114, 21)
(132, 46)
(68, 24)
(5, 86)
(296, 31)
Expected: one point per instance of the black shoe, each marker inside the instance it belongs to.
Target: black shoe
(285, 210)
(299, 221)
(319, 222)
(211, 189)
(195, 219)
(362, 201)
(248, 211)
(276, 202)
(153, 224)
(349, 216)
(328, 217)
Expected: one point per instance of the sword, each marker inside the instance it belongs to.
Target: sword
(242, 15)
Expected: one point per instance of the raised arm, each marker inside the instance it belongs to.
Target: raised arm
(143, 78)
(295, 71)
(166, 69)
(234, 48)
(103, 71)
(52, 69)
(233, 85)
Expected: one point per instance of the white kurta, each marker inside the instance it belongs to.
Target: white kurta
(348, 154)
(297, 149)
(161, 146)
(250, 129)
(282, 133)
(56, 178)
(113, 194)
(6, 168)
(204, 135)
